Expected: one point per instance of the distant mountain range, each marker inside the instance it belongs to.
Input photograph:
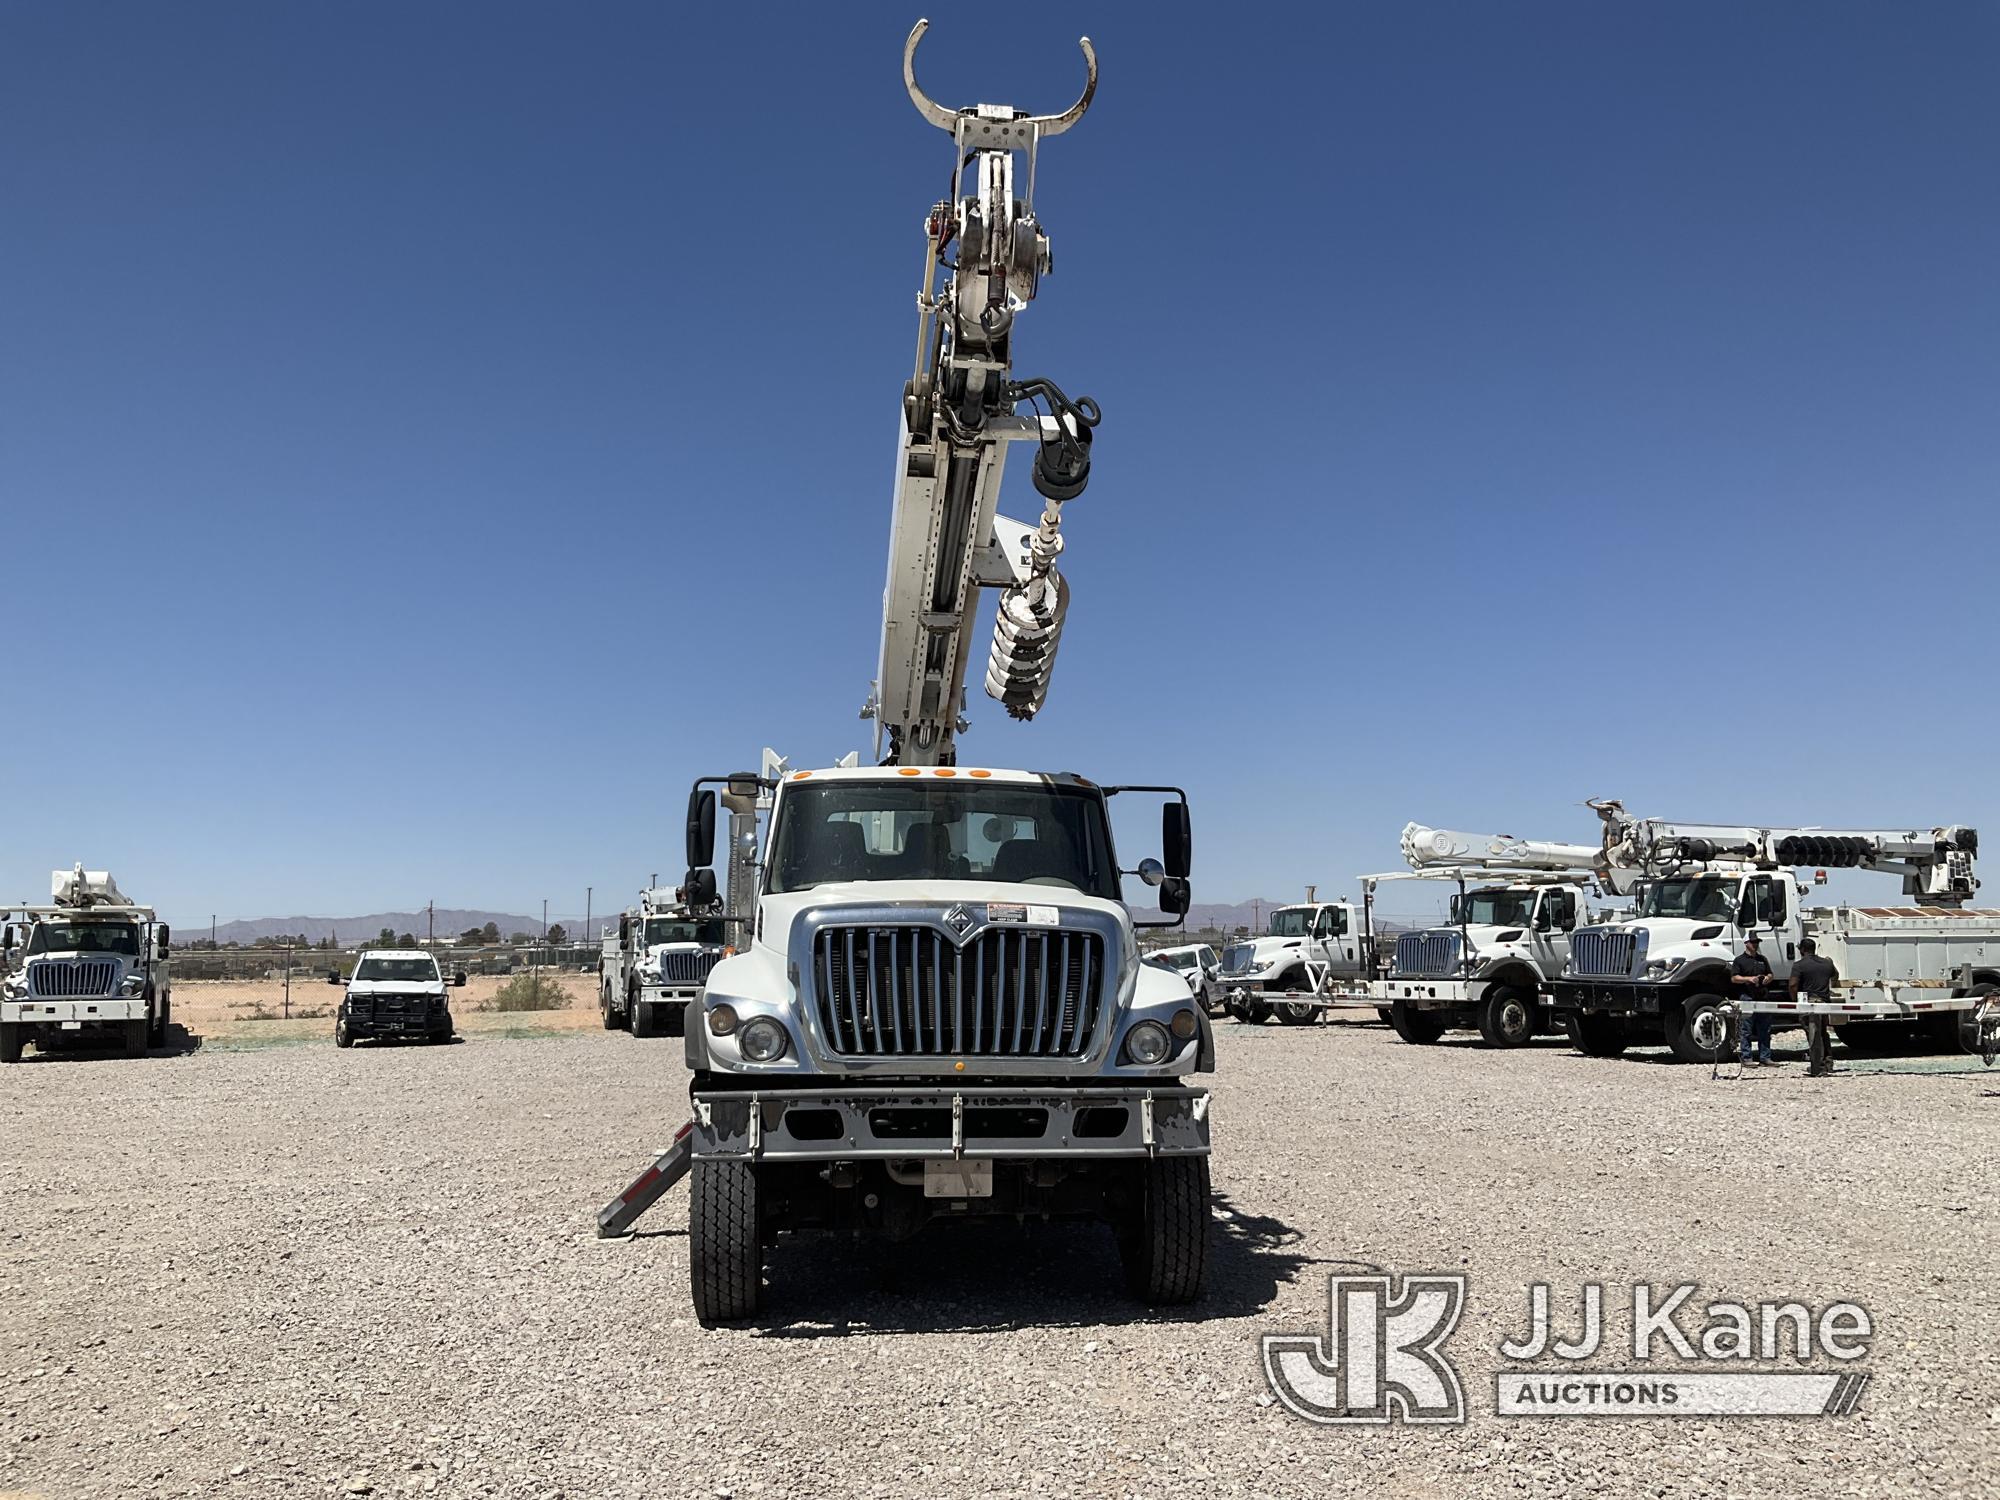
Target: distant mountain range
(451, 921)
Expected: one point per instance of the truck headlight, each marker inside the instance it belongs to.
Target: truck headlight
(1148, 1043)
(135, 984)
(1261, 965)
(1660, 968)
(721, 1019)
(762, 1040)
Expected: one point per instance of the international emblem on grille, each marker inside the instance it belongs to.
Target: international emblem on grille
(959, 920)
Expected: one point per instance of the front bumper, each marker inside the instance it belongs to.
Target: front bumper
(1431, 994)
(73, 1013)
(916, 1122)
(399, 1023)
(1612, 997)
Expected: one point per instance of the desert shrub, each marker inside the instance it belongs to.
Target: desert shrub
(532, 990)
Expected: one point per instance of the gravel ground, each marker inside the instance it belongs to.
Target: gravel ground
(287, 1270)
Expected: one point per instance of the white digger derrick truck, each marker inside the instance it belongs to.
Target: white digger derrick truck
(654, 963)
(1488, 969)
(93, 967)
(938, 1009)
(1924, 971)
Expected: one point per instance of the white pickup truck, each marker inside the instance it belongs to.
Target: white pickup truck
(93, 967)
(395, 993)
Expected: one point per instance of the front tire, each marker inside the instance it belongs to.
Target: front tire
(725, 1241)
(135, 1037)
(342, 1037)
(156, 1028)
(1698, 1030)
(1290, 1013)
(1507, 1019)
(1164, 1243)
(1596, 1036)
(1417, 1027)
(11, 1037)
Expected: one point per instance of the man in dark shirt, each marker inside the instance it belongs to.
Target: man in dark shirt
(1813, 978)
(1750, 975)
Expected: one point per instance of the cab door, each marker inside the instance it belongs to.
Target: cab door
(1555, 917)
(1767, 902)
(1333, 941)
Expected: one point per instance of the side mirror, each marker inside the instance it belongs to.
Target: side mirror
(741, 791)
(701, 828)
(1177, 839)
(458, 978)
(624, 931)
(166, 936)
(1174, 895)
(1151, 871)
(700, 888)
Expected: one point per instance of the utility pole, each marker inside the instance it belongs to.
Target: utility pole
(211, 932)
(432, 911)
(587, 890)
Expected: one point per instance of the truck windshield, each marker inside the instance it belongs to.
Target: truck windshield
(84, 937)
(1293, 921)
(1711, 897)
(670, 930)
(1027, 834)
(420, 970)
(1177, 960)
(1494, 909)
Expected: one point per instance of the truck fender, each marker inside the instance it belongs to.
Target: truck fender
(1204, 1056)
(1706, 977)
(694, 1039)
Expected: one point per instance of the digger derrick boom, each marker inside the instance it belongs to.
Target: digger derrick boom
(961, 408)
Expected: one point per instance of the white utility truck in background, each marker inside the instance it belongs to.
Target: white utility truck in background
(939, 1008)
(655, 962)
(1489, 967)
(1302, 949)
(1917, 974)
(93, 967)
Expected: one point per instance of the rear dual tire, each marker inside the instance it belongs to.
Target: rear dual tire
(1596, 1036)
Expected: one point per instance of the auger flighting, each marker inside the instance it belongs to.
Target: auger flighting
(961, 407)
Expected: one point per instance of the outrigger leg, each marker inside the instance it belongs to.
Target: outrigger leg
(668, 1168)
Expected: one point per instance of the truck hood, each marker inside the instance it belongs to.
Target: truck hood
(363, 988)
(1246, 952)
(1674, 937)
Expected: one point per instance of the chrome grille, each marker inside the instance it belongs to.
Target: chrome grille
(687, 968)
(1236, 958)
(1009, 992)
(73, 978)
(1602, 955)
(1428, 954)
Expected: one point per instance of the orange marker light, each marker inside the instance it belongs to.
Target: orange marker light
(800, 775)
(982, 775)
(909, 770)
(959, 1066)
(946, 771)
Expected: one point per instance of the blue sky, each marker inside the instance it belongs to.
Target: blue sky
(431, 435)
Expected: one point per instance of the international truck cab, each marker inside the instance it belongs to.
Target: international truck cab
(93, 968)
(1259, 973)
(940, 1011)
(655, 963)
(1488, 967)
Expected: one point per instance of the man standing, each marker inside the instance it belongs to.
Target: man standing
(1813, 978)
(1751, 977)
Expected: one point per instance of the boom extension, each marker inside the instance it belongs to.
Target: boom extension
(961, 408)
(1936, 864)
(1426, 848)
